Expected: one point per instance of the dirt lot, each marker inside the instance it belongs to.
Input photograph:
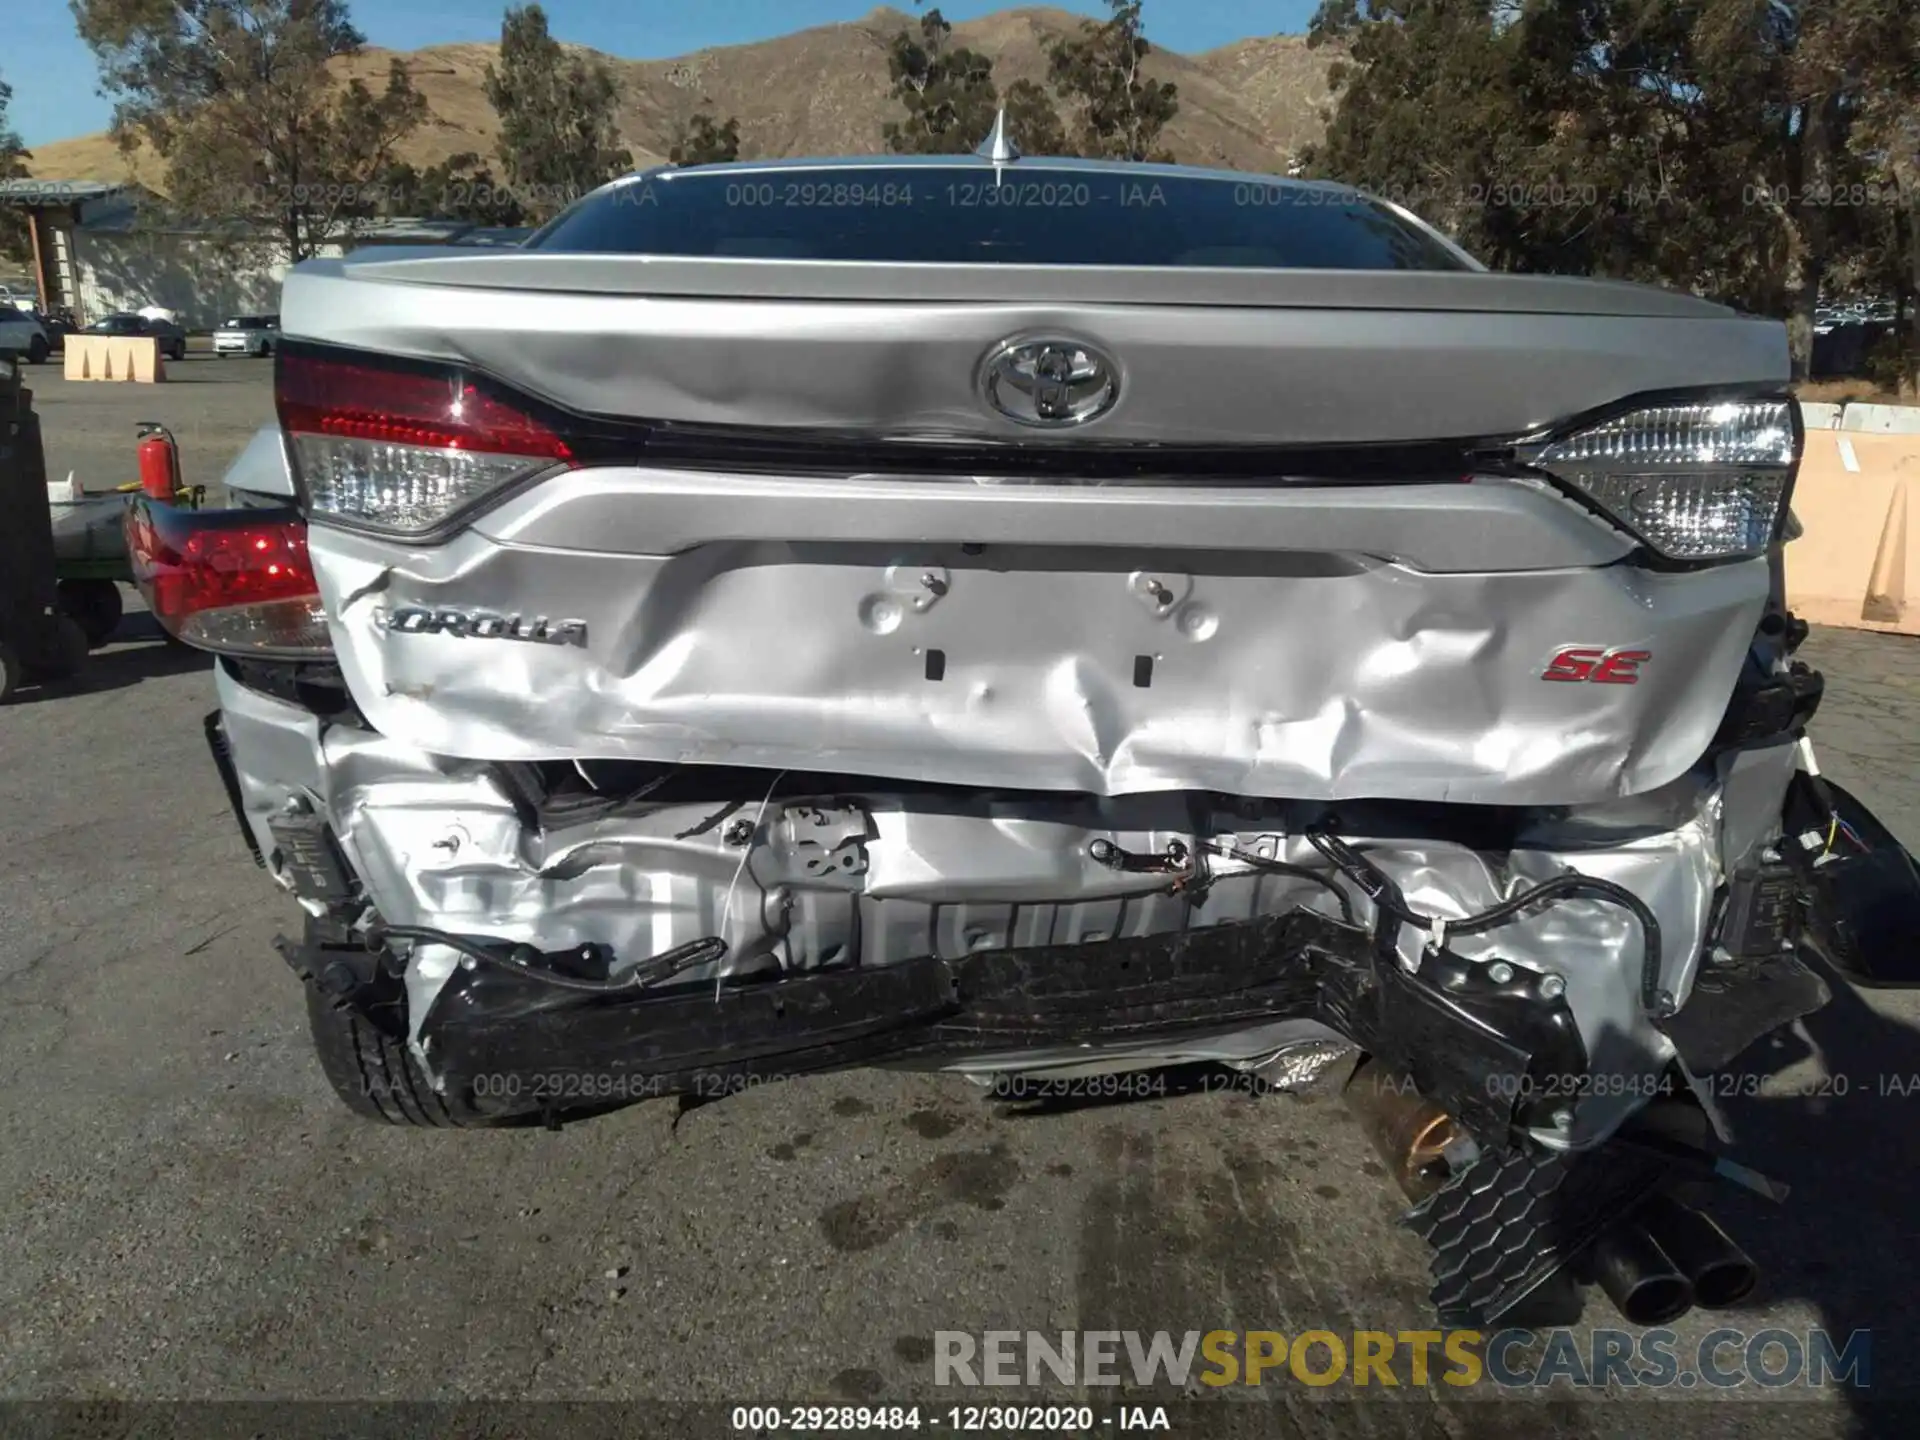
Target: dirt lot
(187, 1213)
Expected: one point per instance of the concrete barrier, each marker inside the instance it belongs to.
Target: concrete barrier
(1819, 415)
(114, 357)
(1858, 562)
(1882, 419)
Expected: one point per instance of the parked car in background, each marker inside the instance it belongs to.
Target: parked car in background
(246, 335)
(23, 333)
(18, 297)
(173, 340)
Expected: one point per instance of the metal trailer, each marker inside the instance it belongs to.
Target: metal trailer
(37, 638)
(90, 541)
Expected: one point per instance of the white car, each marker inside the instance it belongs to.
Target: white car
(246, 335)
(21, 333)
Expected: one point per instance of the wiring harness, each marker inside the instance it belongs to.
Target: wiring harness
(1391, 906)
(525, 959)
(1393, 910)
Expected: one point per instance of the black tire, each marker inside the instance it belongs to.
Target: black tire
(266, 349)
(373, 1072)
(67, 654)
(38, 350)
(95, 606)
(11, 672)
(180, 351)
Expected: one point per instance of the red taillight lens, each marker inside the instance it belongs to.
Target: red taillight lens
(357, 400)
(236, 581)
(400, 446)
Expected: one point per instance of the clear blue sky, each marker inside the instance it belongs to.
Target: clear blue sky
(54, 80)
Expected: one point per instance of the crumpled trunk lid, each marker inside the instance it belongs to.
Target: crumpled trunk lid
(820, 549)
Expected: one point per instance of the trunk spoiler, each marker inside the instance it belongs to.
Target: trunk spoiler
(1483, 292)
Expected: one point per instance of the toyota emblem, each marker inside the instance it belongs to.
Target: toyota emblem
(1049, 381)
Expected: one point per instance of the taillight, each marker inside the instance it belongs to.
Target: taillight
(1705, 481)
(404, 446)
(235, 581)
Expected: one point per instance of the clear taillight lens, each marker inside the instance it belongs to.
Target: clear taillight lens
(1696, 482)
(234, 581)
(400, 447)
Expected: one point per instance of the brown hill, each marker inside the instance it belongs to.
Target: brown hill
(1246, 106)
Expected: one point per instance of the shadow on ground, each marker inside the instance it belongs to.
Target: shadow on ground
(1847, 1238)
(138, 651)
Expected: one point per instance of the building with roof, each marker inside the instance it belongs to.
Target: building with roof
(98, 247)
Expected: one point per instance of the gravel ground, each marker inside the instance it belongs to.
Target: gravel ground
(187, 1213)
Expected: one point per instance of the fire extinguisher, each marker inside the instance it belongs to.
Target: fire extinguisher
(159, 462)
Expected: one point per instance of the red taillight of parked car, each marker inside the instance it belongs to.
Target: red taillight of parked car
(238, 582)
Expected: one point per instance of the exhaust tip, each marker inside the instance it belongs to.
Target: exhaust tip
(1725, 1283)
(1722, 1273)
(1657, 1300)
(1640, 1278)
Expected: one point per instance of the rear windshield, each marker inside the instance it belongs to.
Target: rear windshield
(959, 215)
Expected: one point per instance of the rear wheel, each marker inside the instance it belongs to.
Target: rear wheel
(11, 672)
(66, 654)
(37, 349)
(361, 1042)
(94, 605)
(372, 1070)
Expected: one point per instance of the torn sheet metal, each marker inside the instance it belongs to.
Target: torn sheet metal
(877, 878)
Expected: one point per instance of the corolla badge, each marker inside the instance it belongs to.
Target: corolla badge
(482, 625)
(1050, 381)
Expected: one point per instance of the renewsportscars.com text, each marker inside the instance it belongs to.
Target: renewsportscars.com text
(1509, 1359)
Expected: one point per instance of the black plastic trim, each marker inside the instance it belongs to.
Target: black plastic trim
(216, 732)
(1472, 1045)
(316, 686)
(1864, 889)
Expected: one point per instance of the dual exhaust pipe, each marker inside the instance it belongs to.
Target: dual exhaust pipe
(1655, 1266)
(1668, 1259)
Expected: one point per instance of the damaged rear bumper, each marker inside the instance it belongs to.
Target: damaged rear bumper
(1290, 977)
(991, 932)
